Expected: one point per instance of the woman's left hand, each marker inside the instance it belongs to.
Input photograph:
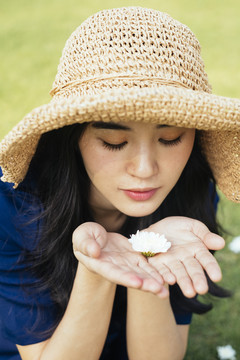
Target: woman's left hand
(189, 254)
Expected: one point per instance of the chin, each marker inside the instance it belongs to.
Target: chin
(140, 212)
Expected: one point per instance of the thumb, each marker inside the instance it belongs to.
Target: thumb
(214, 241)
(211, 240)
(89, 238)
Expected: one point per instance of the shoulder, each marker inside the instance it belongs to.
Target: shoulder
(15, 212)
(8, 209)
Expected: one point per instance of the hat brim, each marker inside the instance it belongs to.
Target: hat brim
(218, 117)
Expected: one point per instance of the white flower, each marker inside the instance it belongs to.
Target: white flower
(149, 243)
(226, 352)
(235, 245)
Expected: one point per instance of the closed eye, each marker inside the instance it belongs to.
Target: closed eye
(114, 146)
(170, 142)
(120, 146)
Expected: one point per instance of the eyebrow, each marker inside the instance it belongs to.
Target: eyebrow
(110, 126)
(159, 126)
(115, 126)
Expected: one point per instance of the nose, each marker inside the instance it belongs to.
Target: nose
(143, 164)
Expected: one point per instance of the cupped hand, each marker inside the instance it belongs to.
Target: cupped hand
(111, 256)
(189, 255)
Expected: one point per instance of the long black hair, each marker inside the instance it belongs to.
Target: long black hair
(59, 185)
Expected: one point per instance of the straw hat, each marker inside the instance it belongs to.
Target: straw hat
(133, 64)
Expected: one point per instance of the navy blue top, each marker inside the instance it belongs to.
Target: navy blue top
(24, 314)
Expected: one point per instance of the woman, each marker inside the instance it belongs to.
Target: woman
(121, 147)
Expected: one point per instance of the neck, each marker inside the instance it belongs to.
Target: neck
(111, 220)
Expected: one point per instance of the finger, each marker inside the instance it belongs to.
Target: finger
(116, 274)
(128, 275)
(165, 272)
(138, 280)
(135, 279)
(164, 293)
(183, 279)
(214, 241)
(88, 239)
(211, 240)
(151, 285)
(150, 270)
(210, 264)
(196, 273)
(86, 246)
(168, 277)
(152, 281)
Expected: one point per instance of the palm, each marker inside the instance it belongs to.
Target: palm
(118, 263)
(111, 256)
(188, 255)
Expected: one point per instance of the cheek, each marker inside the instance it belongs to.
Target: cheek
(89, 154)
(180, 158)
(97, 162)
(101, 167)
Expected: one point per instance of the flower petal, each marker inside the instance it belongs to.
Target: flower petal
(149, 242)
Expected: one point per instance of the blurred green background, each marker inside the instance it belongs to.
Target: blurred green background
(32, 36)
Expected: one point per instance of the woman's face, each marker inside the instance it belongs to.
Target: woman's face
(133, 166)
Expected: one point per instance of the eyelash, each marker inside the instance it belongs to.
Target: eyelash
(171, 142)
(115, 147)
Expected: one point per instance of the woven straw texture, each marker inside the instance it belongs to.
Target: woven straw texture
(133, 64)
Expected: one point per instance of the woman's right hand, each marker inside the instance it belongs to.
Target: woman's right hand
(111, 256)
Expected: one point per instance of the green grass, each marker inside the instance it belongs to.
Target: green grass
(220, 326)
(32, 35)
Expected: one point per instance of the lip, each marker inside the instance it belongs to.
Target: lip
(140, 194)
